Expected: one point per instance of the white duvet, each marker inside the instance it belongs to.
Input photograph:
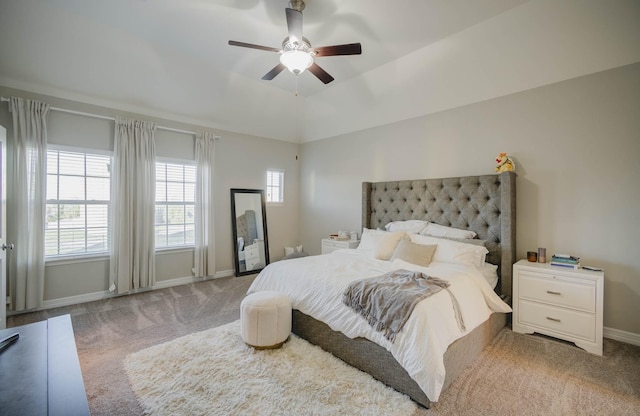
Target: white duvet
(315, 285)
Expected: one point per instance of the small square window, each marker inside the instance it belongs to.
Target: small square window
(275, 186)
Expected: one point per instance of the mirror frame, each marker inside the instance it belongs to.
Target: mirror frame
(234, 229)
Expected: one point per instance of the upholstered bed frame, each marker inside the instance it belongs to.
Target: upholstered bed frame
(484, 204)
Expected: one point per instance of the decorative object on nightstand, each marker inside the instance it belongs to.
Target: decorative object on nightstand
(542, 255)
(560, 302)
(340, 235)
(330, 244)
(532, 256)
(565, 260)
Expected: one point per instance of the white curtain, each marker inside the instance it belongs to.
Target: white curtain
(27, 219)
(205, 252)
(132, 264)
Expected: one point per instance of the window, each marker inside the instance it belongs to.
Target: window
(175, 203)
(275, 186)
(78, 194)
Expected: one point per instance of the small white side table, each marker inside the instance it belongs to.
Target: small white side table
(329, 244)
(560, 302)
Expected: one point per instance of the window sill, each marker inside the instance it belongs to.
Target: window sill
(59, 261)
(169, 250)
(87, 258)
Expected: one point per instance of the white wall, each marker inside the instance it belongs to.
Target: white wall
(241, 162)
(577, 148)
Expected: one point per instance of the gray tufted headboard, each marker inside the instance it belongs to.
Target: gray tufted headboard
(485, 204)
(246, 227)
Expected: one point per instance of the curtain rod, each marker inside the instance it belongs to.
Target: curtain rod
(81, 113)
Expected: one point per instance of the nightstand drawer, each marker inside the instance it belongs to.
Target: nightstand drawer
(253, 263)
(333, 244)
(252, 251)
(559, 320)
(558, 290)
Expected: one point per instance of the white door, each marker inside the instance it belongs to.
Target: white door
(3, 230)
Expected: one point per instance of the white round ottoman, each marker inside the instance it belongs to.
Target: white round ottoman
(265, 318)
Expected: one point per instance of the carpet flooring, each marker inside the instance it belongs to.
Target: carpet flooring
(515, 375)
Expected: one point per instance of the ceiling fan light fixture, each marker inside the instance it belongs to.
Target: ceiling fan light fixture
(296, 61)
(296, 54)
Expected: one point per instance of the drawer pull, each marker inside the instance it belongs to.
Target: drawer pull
(553, 319)
(553, 293)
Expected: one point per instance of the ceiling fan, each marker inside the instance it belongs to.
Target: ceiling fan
(296, 54)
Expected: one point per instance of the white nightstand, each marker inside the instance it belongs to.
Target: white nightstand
(254, 255)
(329, 245)
(559, 302)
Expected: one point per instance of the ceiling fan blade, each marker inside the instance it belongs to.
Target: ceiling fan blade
(252, 46)
(272, 74)
(348, 49)
(320, 73)
(294, 24)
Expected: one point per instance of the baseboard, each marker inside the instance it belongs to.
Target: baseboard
(622, 336)
(74, 300)
(190, 279)
(90, 297)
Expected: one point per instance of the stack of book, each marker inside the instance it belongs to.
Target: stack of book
(565, 260)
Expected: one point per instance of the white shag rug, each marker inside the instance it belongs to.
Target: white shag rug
(215, 373)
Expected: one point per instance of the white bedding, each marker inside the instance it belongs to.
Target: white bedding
(315, 285)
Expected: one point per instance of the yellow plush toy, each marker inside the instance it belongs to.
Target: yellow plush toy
(505, 163)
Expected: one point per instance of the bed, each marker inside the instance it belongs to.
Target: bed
(484, 204)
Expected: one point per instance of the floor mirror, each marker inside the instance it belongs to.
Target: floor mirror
(249, 225)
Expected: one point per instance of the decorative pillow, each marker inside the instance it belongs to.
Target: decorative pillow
(413, 253)
(451, 251)
(290, 250)
(382, 243)
(409, 226)
(437, 230)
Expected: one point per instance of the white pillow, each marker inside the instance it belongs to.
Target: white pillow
(490, 273)
(366, 239)
(451, 251)
(290, 250)
(409, 226)
(436, 230)
(382, 243)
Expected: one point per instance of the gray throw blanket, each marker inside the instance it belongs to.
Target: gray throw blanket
(386, 302)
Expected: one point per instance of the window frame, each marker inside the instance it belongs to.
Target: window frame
(183, 162)
(86, 256)
(268, 186)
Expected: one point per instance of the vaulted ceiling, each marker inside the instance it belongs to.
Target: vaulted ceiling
(171, 59)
